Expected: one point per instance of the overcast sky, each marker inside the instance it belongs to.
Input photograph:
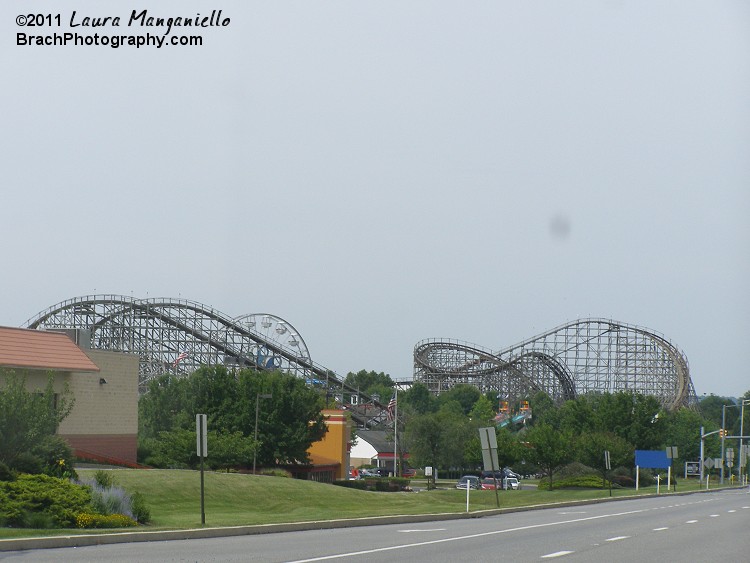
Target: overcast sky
(378, 173)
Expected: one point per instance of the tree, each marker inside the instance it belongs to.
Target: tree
(550, 449)
(465, 394)
(29, 421)
(418, 396)
(590, 449)
(288, 422)
(483, 412)
(371, 383)
(439, 439)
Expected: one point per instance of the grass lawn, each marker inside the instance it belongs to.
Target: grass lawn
(233, 499)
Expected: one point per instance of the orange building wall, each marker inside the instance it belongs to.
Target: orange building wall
(335, 445)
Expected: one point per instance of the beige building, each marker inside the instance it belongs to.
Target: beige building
(103, 424)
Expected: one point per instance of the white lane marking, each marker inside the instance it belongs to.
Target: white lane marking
(660, 529)
(691, 521)
(730, 511)
(556, 554)
(469, 537)
(581, 512)
(618, 538)
(713, 516)
(425, 530)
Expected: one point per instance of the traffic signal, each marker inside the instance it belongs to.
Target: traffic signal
(722, 433)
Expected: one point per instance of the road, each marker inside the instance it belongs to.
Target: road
(698, 527)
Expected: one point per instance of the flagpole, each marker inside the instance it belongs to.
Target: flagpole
(395, 436)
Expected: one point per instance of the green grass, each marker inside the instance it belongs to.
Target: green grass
(231, 499)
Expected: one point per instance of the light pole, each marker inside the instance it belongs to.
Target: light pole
(258, 397)
(742, 436)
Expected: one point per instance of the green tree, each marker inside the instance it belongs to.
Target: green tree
(371, 383)
(466, 395)
(483, 412)
(550, 449)
(288, 422)
(590, 449)
(544, 410)
(28, 422)
(418, 396)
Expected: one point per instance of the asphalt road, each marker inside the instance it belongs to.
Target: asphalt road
(698, 527)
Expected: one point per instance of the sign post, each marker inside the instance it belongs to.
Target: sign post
(201, 430)
(488, 439)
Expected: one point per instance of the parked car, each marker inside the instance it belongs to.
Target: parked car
(468, 481)
(510, 483)
(383, 471)
(490, 484)
(409, 472)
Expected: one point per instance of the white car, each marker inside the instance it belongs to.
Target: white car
(510, 483)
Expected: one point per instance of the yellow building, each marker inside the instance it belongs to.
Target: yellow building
(330, 455)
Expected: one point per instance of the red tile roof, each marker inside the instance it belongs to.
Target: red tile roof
(39, 349)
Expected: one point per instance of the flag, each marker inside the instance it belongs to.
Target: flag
(179, 358)
(392, 408)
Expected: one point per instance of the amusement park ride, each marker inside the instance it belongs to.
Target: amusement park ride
(177, 336)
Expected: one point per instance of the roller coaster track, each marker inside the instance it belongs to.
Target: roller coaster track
(177, 336)
(584, 356)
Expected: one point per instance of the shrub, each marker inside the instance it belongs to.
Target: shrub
(57, 457)
(104, 479)
(386, 484)
(28, 463)
(91, 520)
(6, 473)
(110, 500)
(275, 472)
(591, 481)
(60, 499)
(623, 481)
(140, 510)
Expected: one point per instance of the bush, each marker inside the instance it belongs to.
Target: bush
(591, 481)
(110, 500)
(59, 499)
(384, 484)
(57, 457)
(90, 520)
(28, 463)
(104, 479)
(140, 510)
(275, 473)
(6, 473)
(623, 481)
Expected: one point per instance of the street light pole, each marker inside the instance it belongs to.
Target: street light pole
(258, 397)
(742, 436)
(723, 433)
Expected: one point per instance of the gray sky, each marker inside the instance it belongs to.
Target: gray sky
(377, 173)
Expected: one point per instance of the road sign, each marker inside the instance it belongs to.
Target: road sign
(708, 463)
(607, 463)
(201, 430)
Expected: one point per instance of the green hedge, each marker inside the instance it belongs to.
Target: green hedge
(381, 484)
(59, 499)
(579, 482)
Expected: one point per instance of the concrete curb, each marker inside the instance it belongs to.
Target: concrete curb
(21, 544)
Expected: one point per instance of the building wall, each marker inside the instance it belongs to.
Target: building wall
(104, 420)
(334, 447)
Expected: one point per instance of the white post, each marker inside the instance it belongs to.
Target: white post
(669, 477)
(658, 481)
(468, 486)
(637, 476)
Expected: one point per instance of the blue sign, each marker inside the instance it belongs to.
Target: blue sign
(656, 459)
